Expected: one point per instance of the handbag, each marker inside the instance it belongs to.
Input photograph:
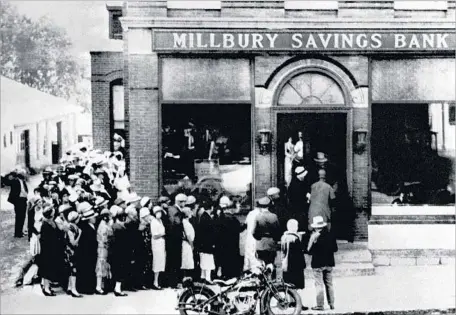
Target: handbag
(35, 247)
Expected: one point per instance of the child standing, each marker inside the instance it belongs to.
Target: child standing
(322, 246)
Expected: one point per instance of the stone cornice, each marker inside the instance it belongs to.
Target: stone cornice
(283, 23)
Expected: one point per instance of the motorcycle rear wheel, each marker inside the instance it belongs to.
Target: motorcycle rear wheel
(195, 296)
(292, 305)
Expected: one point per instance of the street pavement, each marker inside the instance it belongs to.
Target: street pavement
(391, 289)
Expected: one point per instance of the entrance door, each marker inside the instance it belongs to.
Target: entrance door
(321, 132)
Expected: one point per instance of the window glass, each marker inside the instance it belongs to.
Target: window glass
(413, 154)
(206, 150)
(310, 89)
(4, 141)
(22, 145)
(451, 113)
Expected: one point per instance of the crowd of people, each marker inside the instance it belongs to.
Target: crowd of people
(90, 234)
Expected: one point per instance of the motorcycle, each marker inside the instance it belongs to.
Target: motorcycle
(241, 296)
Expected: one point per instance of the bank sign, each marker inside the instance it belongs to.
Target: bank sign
(218, 40)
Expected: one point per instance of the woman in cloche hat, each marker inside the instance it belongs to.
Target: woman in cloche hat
(104, 234)
(118, 247)
(158, 245)
(145, 263)
(73, 235)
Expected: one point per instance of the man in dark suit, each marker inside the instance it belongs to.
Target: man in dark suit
(174, 236)
(18, 198)
(266, 231)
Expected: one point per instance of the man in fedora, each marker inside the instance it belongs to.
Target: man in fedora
(321, 199)
(18, 198)
(298, 194)
(322, 246)
(174, 233)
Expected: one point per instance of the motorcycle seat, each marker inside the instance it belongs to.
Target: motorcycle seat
(224, 283)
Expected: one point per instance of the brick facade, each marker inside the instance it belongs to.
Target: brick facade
(139, 67)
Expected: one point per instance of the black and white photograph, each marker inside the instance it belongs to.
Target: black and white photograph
(230, 157)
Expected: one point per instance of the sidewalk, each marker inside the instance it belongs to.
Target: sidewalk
(392, 290)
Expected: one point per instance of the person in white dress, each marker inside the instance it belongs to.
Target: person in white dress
(250, 259)
(289, 156)
(188, 262)
(158, 245)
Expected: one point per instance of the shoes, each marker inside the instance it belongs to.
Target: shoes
(46, 293)
(318, 308)
(19, 283)
(76, 295)
(100, 292)
(120, 293)
(154, 287)
(304, 308)
(331, 307)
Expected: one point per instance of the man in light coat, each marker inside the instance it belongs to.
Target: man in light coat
(321, 198)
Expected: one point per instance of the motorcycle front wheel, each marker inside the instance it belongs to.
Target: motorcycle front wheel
(285, 301)
(192, 301)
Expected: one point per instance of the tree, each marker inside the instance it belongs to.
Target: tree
(37, 53)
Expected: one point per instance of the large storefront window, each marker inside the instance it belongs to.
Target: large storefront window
(206, 149)
(413, 154)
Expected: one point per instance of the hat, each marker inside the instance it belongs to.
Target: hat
(117, 137)
(144, 212)
(73, 216)
(163, 199)
(320, 157)
(158, 209)
(99, 171)
(47, 211)
(273, 191)
(73, 177)
(191, 200)
(181, 197)
(105, 212)
(299, 170)
(144, 201)
(64, 191)
(84, 207)
(133, 197)
(114, 210)
(52, 182)
(97, 186)
(100, 202)
(47, 170)
(225, 201)
(264, 202)
(131, 210)
(65, 207)
(89, 214)
(318, 222)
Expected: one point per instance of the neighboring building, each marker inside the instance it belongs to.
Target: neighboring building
(37, 128)
(369, 83)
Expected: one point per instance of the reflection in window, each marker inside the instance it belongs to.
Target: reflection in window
(310, 88)
(413, 154)
(206, 150)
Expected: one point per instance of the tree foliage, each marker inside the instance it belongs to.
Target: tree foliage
(38, 54)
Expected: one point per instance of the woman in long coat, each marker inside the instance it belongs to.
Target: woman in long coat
(293, 262)
(158, 245)
(120, 243)
(51, 256)
(205, 241)
(104, 235)
(146, 250)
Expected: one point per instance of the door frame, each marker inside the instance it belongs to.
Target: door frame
(26, 147)
(315, 110)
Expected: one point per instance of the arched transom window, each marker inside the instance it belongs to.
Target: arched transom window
(311, 89)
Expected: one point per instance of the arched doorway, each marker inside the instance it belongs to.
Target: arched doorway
(311, 105)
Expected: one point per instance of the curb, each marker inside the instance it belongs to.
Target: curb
(404, 312)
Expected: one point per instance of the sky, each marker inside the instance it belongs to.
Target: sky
(86, 23)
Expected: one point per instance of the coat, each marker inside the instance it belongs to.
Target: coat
(230, 229)
(87, 258)
(205, 239)
(323, 249)
(15, 191)
(187, 246)
(321, 197)
(117, 258)
(266, 231)
(104, 236)
(51, 259)
(293, 262)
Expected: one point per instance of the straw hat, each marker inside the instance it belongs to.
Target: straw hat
(86, 215)
(133, 197)
(318, 222)
(119, 201)
(299, 170)
(64, 208)
(273, 191)
(321, 157)
(114, 210)
(97, 186)
(191, 200)
(144, 201)
(84, 207)
(263, 202)
(158, 209)
(105, 212)
(73, 216)
(181, 197)
(100, 202)
(225, 202)
(163, 199)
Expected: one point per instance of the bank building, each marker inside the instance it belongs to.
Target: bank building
(227, 96)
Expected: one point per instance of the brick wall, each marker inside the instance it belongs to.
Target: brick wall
(106, 67)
